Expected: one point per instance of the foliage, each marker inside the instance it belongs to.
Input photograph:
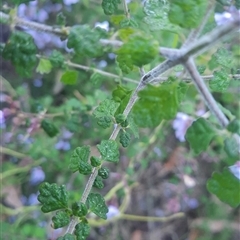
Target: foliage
(86, 91)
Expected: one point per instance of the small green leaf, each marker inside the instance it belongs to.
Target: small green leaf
(187, 13)
(98, 183)
(68, 236)
(52, 197)
(155, 104)
(139, 50)
(82, 230)
(56, 58)
(120, 118)
(79, 209)
(221, 57)
(234, 126)
(133, 127)
(110, 6)
(103, 172)
(79, 160)
(124, 138)
(49, 128)
(199, 135)
(21, 51)
(44, 66)
(61, 19)
(128, 23)
(85, 41)
(116, 19)
(104, 113)
(109, 150)
(220, 81)
(61, 219)
(225, 186)
(69, 77)
(96, 79)
(231, 147)
(97, 205)
(95, 162)
(121, 95)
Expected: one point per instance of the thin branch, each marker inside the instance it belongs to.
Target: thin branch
(196, 32)
(203, 90)
(125, 8)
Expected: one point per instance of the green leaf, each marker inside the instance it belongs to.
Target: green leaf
(109, 150)
(61, 219)
(21, 51)
(128, 23)
(221, 57)
(187, 13)
(116, 19)
(68, 236)
(79, 209)
(199, 135)
(52, 197)
(104, 113)
(120, 118)
(220, 81)
(133, 127)
(110, 6)
(156, 16)
(231, 147)
(96, 79)
(44, 66)
(121, 95)
(97, 205)
(82, 230)
(155, 104)
(85, 41)
(61, 19)
(49, 128)
(79, 160)
(234, 126)
(225, 186)
(56, 58)
(98, 183)
(103, 172)
(182, 90)
(124, 138)
(69, 77)
(95, 162)
(139, 50)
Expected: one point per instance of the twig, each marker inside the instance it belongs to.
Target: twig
(125, 8)
(203, 90)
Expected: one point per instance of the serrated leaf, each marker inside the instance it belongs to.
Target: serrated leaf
(61, 219)
(133, 127)
(98, 183)
(220, 81)
(61, 19)
(52, 197)
(95, 162)
(44, 66)
(68, 236)
(155, 104)
(234, 126)
(56, 58)
(110, 6)
(21, 51)
(82, 230)
(121, 95)
(225, 186)
(125, 23)
(97, 205)
(231, 147)
(109, 150)
(157, 19)
(182, 90)
(85, 41)
(124, 138)
(69, 77)
(139, 50)
(221, 57)
(96, 79)
(49, 128)
(199, 135)
(187, 13)
(116, 19)
(79, 160)
(79, 209)
(125, 33)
